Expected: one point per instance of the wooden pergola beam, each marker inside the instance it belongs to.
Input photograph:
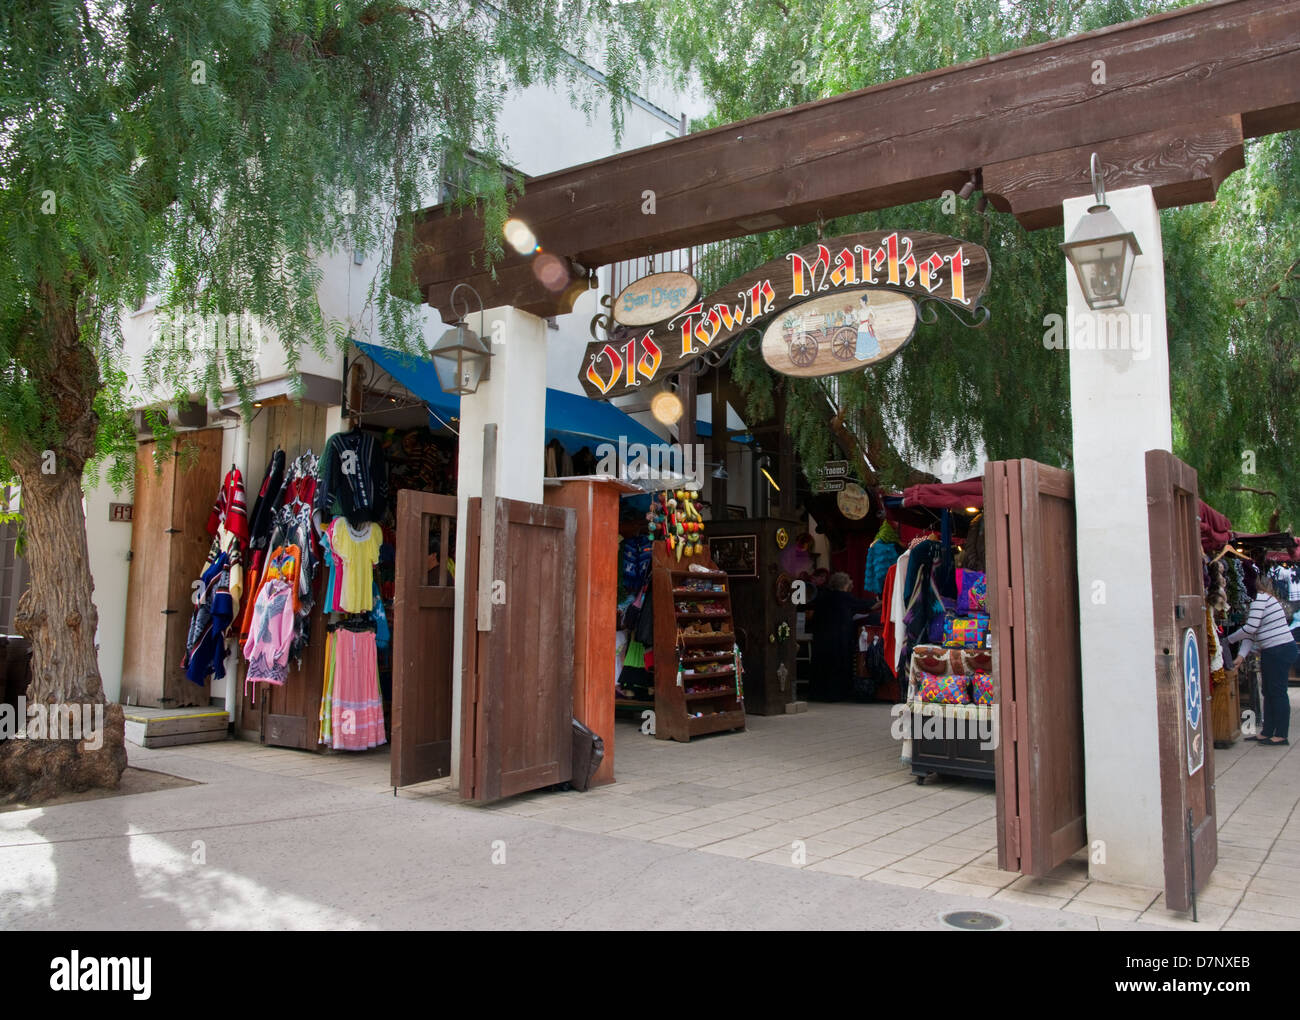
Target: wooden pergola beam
(1166, 101)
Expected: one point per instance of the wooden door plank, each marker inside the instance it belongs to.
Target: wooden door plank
(422, 632)
(469, 769)
(997, 568)
(198, 479)
(144, 653)
(517, 731)
(1054, 709)
(1178, 601)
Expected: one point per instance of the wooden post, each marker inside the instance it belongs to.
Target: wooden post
(487, 527)
(718, 447)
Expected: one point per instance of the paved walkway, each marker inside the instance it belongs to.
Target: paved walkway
(283, 839)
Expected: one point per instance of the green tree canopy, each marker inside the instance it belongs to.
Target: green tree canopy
(216, 150)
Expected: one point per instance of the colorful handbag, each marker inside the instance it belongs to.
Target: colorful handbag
(944, 690)
(982, 685)
(972, 591)
(965, 632)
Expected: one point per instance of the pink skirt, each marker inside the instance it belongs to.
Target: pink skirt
(357, 712)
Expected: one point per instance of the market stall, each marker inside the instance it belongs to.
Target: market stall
(936, 628)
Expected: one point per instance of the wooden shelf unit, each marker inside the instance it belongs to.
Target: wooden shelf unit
(722, 710)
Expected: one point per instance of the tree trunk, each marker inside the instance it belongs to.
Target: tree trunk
(57, 613)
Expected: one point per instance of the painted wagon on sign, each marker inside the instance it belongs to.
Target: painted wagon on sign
(805, 334)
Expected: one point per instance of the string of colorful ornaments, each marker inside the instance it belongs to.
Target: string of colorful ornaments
(675, 518)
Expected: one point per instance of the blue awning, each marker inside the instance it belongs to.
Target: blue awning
(576, 421)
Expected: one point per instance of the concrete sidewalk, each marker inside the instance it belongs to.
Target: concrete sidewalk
(252, 849)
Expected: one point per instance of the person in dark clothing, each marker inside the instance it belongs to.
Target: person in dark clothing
(835, 646)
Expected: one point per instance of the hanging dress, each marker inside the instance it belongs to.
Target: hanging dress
(358, 552)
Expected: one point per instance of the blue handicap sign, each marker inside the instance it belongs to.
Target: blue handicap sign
(1193, 701)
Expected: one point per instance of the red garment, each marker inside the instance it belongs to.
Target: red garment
(229, 509)
(852, 559)
(946, 496)
(891, 648)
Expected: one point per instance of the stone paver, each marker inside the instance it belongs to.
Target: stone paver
(824, 791)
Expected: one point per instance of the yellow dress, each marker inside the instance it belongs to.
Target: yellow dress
(358, 550)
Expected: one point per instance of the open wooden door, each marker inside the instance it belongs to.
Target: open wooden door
(1191, 841)
(517, 676)
(1038, 686)
(423, 610)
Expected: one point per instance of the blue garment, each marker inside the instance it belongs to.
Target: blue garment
(206, 642)
(383, 636)
(880, 557)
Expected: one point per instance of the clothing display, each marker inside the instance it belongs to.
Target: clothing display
(220, 586)
(357, 552)
(353, 478)
(351, 503)
(228, 511)
(882, 555)
(269, 640)
(352, 706)
(205, 644)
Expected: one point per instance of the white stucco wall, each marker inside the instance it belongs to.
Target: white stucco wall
(110, 546)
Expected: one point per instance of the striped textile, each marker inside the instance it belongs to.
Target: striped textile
(1265, 625)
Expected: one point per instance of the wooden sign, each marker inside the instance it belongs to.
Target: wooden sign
(925, 266)
(655, 298)
(840, 332)
(121, 512)
(835, 469)
(853, 501)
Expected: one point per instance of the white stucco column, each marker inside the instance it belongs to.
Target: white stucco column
(514, 399)
(1119, 398)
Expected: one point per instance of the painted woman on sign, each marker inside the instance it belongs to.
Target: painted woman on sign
(868, 345)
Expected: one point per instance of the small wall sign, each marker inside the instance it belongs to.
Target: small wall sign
(853, 501)
(655, 298)
(122, 512)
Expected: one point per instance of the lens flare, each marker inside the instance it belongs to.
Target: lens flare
(551, 271)
(667, 407)
(520, 237)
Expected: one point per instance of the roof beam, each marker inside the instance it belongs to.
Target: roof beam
(1180, 92)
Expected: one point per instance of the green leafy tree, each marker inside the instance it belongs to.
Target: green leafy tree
(215, 150)
(1232, 274)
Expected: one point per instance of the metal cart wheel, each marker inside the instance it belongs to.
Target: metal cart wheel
(844, 343)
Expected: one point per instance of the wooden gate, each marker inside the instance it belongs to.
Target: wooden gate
(1182, 678)
(1033, 585)
(423, 610)
(169, 545)
(517, 675)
